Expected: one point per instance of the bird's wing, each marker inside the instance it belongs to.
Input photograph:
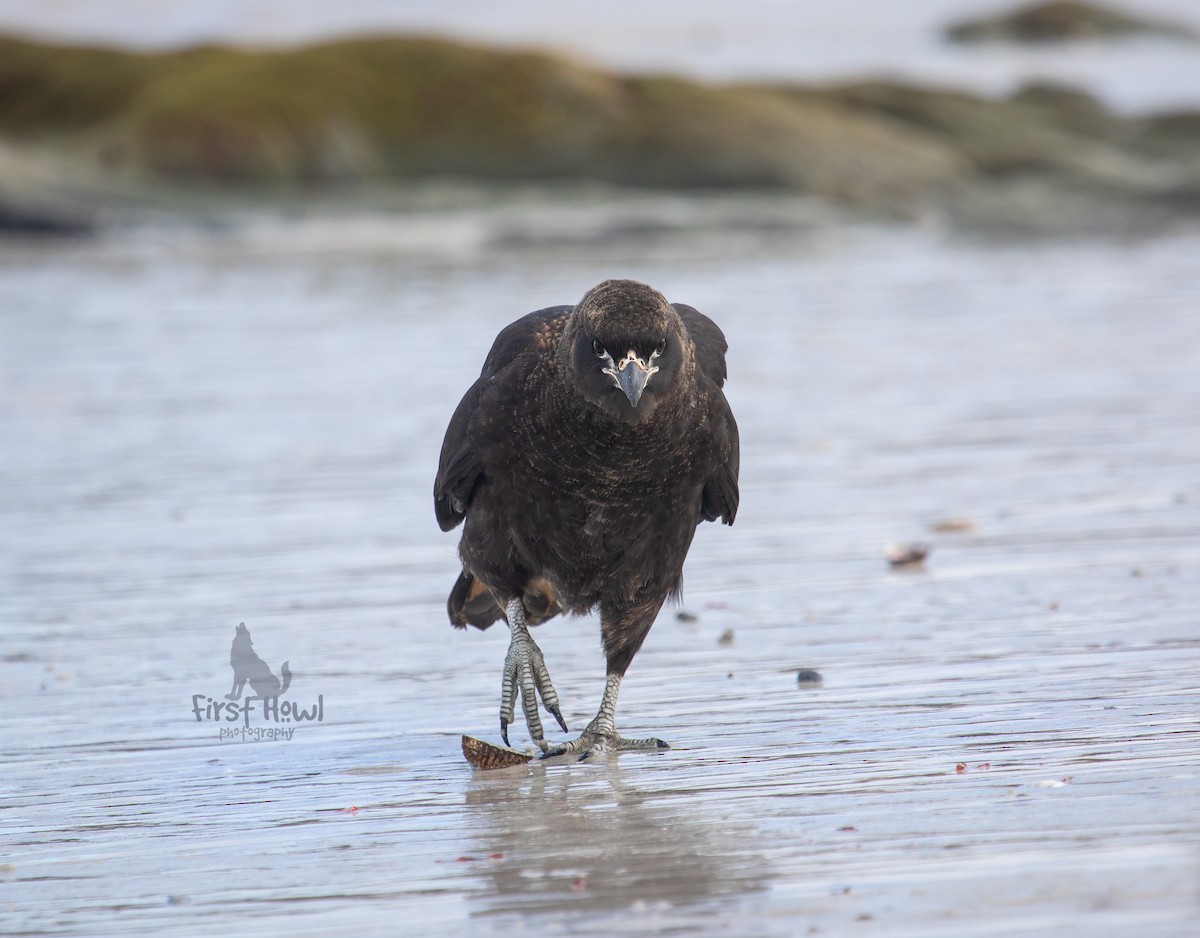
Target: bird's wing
(460, 468)
(708, 340)
(720, 496)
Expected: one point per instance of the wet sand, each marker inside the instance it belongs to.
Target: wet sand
(200, 430)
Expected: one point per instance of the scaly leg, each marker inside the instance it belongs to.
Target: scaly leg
(525, 673)
(601, 734)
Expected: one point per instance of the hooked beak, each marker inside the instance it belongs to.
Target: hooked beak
(630, 374)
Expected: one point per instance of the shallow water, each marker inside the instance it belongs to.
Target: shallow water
(203, 428)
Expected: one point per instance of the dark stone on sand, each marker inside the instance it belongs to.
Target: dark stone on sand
(807, 677)
(18, 219)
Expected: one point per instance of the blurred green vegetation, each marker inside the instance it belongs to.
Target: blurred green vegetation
(1061, 21)
(401, 109)
(407, 108)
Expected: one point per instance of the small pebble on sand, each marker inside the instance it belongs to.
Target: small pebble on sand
(906, 555)
(953, 526)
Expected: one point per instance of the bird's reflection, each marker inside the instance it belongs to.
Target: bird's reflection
(584, 839)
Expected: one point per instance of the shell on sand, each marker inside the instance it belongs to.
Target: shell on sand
(907, 555)
(483, 755)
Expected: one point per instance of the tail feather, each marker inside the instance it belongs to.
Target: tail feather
(472, 603)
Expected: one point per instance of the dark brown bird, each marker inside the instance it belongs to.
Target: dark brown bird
(594, 442)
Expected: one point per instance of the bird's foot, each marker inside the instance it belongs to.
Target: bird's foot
(526, 675)
(595, 742)
(600, 737)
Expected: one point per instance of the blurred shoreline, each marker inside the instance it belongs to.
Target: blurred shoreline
(95, 137)
(761, 41)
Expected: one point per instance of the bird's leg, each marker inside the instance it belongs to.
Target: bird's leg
(600, 736)
(525, 673)
(623, 628)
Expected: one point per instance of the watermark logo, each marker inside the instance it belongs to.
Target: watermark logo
(274, 718)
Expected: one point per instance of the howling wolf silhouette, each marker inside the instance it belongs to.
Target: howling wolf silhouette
(247, 666)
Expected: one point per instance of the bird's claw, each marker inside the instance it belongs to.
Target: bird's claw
(526, 677)
(598, 750)
(592, 745)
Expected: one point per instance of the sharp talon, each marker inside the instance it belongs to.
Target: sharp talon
(525, 680)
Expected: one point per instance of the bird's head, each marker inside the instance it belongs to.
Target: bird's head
(625, 347)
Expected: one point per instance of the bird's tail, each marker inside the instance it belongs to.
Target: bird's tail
(472, 603)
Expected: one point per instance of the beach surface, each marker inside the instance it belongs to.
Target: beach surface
(203, 426)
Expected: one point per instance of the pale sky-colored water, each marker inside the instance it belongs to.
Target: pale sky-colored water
(812, 41)
(233, 427)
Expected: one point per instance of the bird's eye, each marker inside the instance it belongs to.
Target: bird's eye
(662, 346)
(598, 348)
